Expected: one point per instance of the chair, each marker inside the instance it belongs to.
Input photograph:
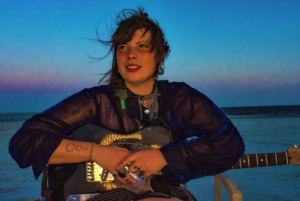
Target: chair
(234, 192)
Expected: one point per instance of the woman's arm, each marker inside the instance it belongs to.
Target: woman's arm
(206, 142)
(70, 151)
(39, 137)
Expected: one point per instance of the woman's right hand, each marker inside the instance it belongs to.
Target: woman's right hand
(108, 157)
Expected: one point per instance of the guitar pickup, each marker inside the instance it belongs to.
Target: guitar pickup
(94, 173)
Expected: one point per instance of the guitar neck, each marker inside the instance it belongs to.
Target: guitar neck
(262, 160)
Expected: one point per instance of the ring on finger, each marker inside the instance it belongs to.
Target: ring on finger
(122, 172)
(141, 173)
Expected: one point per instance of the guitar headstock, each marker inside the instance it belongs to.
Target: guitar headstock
(294, 155)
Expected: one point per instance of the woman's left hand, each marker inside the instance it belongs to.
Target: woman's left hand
(149, 160)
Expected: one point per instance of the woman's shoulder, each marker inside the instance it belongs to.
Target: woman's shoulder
(176, 87)
(97, 90)
(92, 93)
(179, 92)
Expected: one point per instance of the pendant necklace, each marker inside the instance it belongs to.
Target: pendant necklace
(151, 104)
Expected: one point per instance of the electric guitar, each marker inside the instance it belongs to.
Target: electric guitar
(83, 180)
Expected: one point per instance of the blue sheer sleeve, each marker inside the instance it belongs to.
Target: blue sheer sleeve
(206, 142)
(37, 139)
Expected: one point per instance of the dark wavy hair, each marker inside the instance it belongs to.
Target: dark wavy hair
(128, 21)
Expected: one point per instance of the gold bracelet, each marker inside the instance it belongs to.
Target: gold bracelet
(90, 159)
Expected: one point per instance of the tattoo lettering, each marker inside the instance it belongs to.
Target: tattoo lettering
(78, 147)
(70, 147)
(85, 148)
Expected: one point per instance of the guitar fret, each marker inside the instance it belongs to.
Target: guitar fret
(266, 160)
(236, 165)
(276, 159)
(240, 160)
(287, 159)
(252, 160)
(257, 160)
(281, 159)
(248, 160)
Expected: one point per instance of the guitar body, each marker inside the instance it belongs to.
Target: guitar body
(69, 179)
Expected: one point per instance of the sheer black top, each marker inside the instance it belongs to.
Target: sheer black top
(205, 141)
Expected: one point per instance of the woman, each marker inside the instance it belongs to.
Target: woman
(132, 100)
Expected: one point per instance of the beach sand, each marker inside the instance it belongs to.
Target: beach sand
(261, 135)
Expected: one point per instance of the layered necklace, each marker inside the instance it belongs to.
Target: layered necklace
(151, 104)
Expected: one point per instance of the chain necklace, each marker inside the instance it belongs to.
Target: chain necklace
(151, 104)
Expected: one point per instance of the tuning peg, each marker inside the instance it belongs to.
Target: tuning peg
(296, 146)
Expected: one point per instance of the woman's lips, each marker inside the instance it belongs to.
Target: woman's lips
(132, 68)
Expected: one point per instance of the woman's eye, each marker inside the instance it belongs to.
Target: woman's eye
(144, 46)
(122, 47)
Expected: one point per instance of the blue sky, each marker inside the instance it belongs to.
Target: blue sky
(238, 53)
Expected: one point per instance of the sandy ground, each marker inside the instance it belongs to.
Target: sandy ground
(261, 135)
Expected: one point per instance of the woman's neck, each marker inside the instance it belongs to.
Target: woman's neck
(141, 89)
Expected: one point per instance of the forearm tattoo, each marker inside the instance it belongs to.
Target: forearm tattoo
(78, 147)
(71, 146)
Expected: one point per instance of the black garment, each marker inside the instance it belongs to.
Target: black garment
(214, 147)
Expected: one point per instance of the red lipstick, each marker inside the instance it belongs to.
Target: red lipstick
(132, 68)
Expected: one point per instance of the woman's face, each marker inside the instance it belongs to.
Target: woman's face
(136, 63)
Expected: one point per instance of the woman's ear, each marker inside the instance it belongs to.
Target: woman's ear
(162, 57)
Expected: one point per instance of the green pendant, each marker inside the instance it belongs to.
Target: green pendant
(122, 95)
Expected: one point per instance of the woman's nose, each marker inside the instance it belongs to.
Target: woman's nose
(131, 54)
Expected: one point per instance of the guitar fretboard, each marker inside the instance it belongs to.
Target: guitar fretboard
(262, 160)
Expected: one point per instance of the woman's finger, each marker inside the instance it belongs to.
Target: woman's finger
(133, 167)
(116, 176)
(125, 161)
(122, 180)
(124, 176)
(130, 178)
